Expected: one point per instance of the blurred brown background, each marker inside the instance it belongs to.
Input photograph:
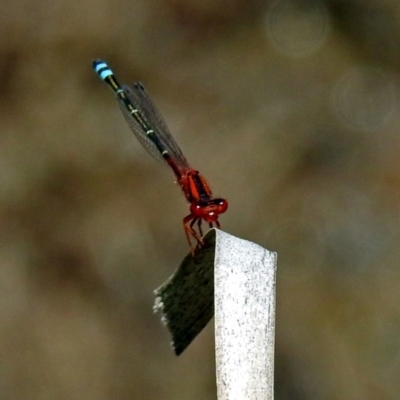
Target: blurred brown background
(289, 108)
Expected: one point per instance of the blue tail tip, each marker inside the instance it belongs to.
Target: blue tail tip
(102, 69)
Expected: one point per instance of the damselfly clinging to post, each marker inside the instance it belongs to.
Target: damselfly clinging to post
(152, 132)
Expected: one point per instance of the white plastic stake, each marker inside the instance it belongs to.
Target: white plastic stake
(244, 284)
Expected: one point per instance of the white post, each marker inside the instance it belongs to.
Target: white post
(236, 279)
(244, 284)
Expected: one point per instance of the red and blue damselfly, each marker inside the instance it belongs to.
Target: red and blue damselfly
(152, 132)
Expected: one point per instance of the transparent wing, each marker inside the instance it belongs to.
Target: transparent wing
(148, 118)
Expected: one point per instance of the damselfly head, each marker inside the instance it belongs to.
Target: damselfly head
(209, 210)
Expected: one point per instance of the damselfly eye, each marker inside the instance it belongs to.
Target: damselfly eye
(222, 205)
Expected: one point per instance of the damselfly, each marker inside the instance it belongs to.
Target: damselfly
(152, 132)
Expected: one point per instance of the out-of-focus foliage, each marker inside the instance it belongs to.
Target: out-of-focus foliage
(289, 108)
